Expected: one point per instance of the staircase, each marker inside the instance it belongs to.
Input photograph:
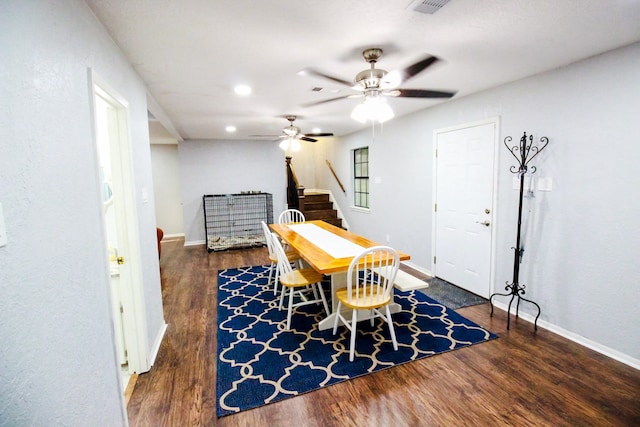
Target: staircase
(318, 206)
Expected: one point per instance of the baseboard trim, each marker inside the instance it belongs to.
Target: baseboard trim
(173, 236)
(417, 267)
(579, 339)
(194, 242)
(156, 344)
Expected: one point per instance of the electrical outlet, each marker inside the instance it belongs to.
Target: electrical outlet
(3, 230)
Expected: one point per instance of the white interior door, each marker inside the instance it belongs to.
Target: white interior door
(120, 222)
(106, 121)
(464, 204)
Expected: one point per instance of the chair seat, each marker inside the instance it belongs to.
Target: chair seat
(291, 256)
(301, 277)
(367, 291)
(363, 301)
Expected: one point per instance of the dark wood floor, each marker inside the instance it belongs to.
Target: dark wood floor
(523, 378)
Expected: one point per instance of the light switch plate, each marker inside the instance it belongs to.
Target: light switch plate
(3, 230)
(545, 184)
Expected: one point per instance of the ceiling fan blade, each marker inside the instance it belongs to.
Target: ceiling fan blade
(419, 93)
(395, 78)
(318, 134)
(311, 71)
(304, 138)
(310, 104)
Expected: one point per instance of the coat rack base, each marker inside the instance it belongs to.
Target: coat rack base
(515, 291)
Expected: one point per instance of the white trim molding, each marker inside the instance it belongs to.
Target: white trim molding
(579, 339)
(156, 344)
(194, 242)
(173, 236)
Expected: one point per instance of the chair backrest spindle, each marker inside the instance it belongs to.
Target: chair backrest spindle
(290, 216)
(267, 237)
(371, 274)
(284, 266)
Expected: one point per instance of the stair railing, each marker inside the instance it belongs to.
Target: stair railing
(335, 176)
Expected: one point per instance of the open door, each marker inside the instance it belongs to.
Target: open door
(120, 225)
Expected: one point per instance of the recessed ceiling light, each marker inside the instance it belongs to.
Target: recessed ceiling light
(316, 130)
(230, 129)
(242, 90)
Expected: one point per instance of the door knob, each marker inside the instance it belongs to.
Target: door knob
(485, 223)
(120, 260)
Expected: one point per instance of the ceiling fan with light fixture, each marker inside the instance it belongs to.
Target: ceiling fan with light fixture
(291, 135)
(376, 83)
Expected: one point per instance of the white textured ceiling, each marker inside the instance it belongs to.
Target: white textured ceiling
(191, 53)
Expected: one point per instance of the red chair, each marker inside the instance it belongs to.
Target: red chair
(160, 235)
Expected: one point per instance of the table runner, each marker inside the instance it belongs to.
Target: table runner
(332, 244)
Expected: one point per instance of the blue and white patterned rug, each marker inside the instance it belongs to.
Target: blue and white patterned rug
(259, 362)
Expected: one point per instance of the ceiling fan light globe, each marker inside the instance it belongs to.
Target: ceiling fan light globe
(284, 144)
(359, 113)
(295, 145)
(382, 112)
(373, 108)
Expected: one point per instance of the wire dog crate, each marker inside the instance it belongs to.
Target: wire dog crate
(232, 221)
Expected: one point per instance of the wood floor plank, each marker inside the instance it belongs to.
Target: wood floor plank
(523, 378)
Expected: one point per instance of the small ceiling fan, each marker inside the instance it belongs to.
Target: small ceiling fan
(374, 82)
(293, 132)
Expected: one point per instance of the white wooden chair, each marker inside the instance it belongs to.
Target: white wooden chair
(368, 290)
(290, 216)
(291, 255)
(297, 282)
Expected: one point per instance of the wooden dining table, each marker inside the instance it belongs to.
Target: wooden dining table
(329, 250)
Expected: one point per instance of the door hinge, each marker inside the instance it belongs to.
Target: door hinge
(436, 153)
(121, 309)
(435, 207)
(434, 259)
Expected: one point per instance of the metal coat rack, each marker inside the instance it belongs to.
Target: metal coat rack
(524, 153)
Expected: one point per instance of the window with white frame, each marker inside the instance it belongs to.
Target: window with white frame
(361, 177)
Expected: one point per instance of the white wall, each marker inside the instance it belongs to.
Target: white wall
(56, 336)
(166, 188)
(303, 163)
(227, 167)
(580, 262)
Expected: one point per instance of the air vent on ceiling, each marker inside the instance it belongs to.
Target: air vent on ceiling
(429, 6)
(324, 89)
